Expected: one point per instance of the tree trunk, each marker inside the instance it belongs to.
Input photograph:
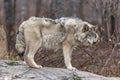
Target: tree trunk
(73, 7)
(81, 9)
(57, 9)
(38, 3)
(110, 19)
(104, 23)
(9, 7)
(95, 11)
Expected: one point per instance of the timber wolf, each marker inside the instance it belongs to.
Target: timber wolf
(64, 33)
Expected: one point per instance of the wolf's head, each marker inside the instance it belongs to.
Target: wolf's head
(85, 33)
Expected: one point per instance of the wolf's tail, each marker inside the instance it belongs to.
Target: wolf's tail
(20, 40)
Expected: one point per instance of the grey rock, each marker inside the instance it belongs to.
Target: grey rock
(18, 70)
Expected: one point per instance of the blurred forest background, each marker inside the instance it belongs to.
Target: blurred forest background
(102, 58)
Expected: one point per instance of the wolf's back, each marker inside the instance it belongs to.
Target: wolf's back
(20, 41)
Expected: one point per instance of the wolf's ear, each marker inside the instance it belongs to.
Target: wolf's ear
(93, 28)
(85, 28)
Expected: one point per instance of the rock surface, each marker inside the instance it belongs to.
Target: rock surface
(17, 70)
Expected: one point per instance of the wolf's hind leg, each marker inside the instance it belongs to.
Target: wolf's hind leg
(33, 43)
(29, 57)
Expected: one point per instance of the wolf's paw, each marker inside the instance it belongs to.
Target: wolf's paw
(38, 66)
(72, 68)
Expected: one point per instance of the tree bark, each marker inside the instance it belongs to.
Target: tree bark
(38, 3)
(57, 9)
(81, 9)
(9, 7)
(110, 19)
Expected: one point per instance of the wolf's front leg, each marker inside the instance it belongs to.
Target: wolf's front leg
(67, 52)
